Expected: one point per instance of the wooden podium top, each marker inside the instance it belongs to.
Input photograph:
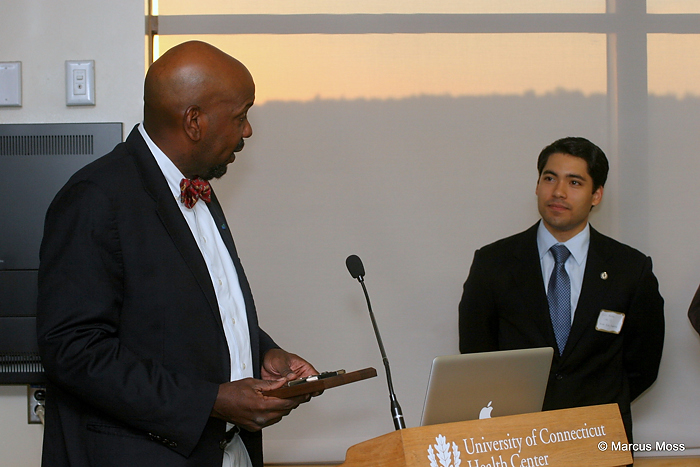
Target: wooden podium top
(580, 437)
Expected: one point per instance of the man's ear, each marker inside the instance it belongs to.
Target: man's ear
(597, 196)
(193, 121)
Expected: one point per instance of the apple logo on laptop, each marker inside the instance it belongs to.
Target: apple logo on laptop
(486, 411)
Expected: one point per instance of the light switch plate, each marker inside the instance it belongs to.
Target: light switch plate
(10, 84)
(80, 82)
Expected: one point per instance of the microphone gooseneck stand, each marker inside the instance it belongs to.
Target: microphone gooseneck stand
(357, 271)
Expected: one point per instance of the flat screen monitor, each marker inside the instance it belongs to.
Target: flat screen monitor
(36, 160)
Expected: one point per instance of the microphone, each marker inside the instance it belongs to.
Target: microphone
(357, 271)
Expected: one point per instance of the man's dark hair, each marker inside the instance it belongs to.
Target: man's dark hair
(579, 147)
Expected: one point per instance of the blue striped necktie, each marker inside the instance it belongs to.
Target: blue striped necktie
(559, 296)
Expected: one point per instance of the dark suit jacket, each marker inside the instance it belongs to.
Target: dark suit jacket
(504, 306)
(128, 324)
(694, 311)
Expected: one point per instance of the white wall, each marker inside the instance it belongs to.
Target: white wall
(43, 34)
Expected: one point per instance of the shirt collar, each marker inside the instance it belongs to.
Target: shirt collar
(577, 245)
(170, 171)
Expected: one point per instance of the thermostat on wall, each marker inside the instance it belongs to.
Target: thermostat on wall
(10, 84)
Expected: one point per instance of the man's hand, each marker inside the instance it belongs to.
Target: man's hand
(278, 364)
(243, 404)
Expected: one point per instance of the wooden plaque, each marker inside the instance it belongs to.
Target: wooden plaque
(286, 392)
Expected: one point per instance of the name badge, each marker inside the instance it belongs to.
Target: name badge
(610, 321)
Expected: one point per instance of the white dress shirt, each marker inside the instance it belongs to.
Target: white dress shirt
(224, 278)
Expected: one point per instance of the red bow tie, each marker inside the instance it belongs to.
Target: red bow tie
(192, 190)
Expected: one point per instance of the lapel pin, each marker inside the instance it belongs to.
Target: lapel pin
(604, 275)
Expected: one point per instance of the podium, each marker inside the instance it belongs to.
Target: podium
(580, 437)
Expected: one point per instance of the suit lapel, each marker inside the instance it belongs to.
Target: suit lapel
(528, 276)
(593, 288)
(223, 228)
(218, 215)
(156, 186)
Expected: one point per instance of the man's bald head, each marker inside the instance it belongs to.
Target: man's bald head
(190, 87)
(192, 73)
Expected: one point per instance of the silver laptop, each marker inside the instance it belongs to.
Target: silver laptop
(485, 385)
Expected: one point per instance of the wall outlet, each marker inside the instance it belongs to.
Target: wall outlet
(36, 395)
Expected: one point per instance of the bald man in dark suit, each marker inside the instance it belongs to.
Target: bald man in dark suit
(146, 323)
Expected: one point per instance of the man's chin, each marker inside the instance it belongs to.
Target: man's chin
(217, 171)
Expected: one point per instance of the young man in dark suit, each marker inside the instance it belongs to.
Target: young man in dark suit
(562, 284)
(146, 323)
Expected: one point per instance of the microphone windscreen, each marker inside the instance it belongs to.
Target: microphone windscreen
(354, 264)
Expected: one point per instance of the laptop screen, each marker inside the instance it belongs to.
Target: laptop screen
(486, 384)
